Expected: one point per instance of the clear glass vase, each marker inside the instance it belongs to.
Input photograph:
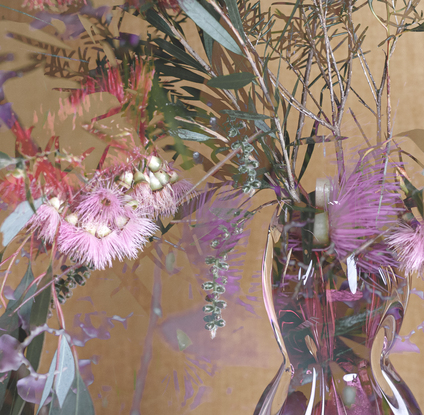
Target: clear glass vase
(335, 340)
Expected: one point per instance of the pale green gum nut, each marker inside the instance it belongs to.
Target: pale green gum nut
(163, 177)
(127, 178)
(133, 204)
(72, 219)
(154, 164)
(174, 177)
(139, 177)
(155, 184)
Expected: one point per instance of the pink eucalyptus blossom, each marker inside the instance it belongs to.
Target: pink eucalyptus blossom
(103, 204)
(132, 237)
(408, 243)
(46, 220)
(82, 246)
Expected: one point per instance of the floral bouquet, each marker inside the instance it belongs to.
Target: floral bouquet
(173, 125)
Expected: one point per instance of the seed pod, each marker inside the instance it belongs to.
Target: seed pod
(163, 177)
(154, 164)
(139, 177)
(155, 184)
(174, 177)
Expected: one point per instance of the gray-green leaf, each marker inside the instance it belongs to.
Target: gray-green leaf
(232, 81)
(206, 21)
(66, 369)
(5, 160)
(190, 135)
(245, 115)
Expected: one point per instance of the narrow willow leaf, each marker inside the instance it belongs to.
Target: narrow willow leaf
(245, 115)
(17, 220)
(235, 18)
(190, 135)
(49, 382)
(232, 81)
(183, 340)
(178, 72)
(66, 369)
(206, 21)
(39, 312)
(156, 21)
(5, 160)
(208, 45)
(178, 53)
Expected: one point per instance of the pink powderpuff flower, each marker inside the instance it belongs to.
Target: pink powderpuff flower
(84, 247)
(46, 220)
(132, 237)
(143, 195)
(181, 189)
(360, 208)
(103, 204)
(165, 202)
(408, 242)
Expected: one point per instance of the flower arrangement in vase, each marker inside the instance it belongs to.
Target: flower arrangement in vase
(194, 108)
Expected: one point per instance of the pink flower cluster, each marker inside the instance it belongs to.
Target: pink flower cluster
(113, 217)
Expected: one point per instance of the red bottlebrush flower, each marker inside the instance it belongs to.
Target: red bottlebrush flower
(360, 208)
(408, 242)
(131, 95)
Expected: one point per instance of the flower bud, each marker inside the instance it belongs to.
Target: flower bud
(155, 184)
(174, 177)
(139, 177)
(72, 219)
(163, 177)
(154, 164)
(133, 204)
(125, 179)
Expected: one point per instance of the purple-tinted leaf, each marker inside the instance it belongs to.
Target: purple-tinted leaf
(10, 354)
(30, 388)
(66, 373)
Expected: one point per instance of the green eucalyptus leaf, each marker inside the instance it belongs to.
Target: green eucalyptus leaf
(40, 308)
(77, 402)
(235, 18)
(178, 53)
(207, 22)
(190, 135)
(17, 220)
(232, 81)
(49, 382)
(245, 115)
(66, 370)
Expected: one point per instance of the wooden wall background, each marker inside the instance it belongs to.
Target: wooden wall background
(226, 375)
